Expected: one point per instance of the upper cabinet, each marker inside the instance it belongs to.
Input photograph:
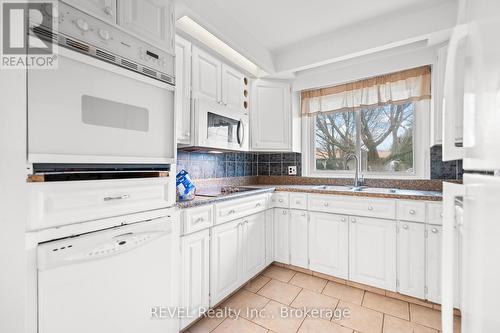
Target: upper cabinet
(207, 76)
(183, 90)
(271, 116)
(214, 80)
(153, 20)
(103, 9)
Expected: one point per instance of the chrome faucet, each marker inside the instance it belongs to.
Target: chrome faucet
(357, 182)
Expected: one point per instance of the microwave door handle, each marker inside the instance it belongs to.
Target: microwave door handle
(238, 133)
(450, 192)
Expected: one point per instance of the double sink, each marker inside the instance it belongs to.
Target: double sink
(375, 190)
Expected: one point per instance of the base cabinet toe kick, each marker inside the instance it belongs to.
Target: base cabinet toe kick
(390, 244)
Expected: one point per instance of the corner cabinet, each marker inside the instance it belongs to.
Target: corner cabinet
(270, 116)
(372, 252)
(183, 90)
(152, 20)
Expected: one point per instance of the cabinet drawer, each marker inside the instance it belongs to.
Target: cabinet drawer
(298, 200)
(435, 213)
(234, 209)
(61, 203)
(197, 218)
(353, 206)
(280, 200)
(411, 211)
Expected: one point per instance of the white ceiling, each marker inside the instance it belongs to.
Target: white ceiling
(279, 23)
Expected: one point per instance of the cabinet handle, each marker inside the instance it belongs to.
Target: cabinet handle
(342, 219)
(232, 211)
(108, 10)
(284, 212)
(258, 204)
(434, 230)
(280, 200)
(405, 226)
(326, 204)
(353, 220)
(412, 211)
(303, 214)
(120, 197)
(370, 208)
(198, 220)
(245, 222)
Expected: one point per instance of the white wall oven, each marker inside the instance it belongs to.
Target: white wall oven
(110, 99)
(220, 127)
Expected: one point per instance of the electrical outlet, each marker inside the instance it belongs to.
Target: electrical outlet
(292, 170)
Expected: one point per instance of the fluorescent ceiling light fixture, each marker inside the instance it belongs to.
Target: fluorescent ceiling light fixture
(196, 31)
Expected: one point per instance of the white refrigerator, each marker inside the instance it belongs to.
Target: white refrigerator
(472, 91)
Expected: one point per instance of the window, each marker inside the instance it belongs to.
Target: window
(381, 136)
(383, 120)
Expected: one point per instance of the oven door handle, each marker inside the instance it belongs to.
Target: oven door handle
(240, 132)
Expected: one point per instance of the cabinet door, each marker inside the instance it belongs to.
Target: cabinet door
(329, 244)
(206, 77)
(433, 265)
(183, 90)
(411, 259)
(372, 252)
(195, 274)
(270, 116)
(232, 88)
(225, 263)
(254, 247)
(281, 236)
(299, 254)
(153, 20)
(103, 9)
(269, 236)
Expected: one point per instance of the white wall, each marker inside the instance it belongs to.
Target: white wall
(12, 201)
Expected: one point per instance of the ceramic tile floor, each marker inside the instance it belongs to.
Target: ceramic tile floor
(261, 301)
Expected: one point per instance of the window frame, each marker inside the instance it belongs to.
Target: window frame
(421, 151)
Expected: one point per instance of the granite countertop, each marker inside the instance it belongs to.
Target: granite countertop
(259, 189)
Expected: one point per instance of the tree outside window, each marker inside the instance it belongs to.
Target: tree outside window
(381, 136)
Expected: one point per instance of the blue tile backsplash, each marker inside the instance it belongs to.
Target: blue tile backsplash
(234, 164)
(219, 165)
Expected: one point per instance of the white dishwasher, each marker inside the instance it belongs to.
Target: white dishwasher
(108, 281)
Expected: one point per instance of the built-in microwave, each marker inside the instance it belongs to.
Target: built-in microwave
(220, 127)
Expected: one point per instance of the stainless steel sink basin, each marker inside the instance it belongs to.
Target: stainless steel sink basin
(380, 190)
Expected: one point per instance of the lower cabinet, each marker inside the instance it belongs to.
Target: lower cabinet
(225, 260)
(411, 259)
(372, 252)
(299, 252)
(281, 225)
(238, 252)
(195, 274)
(328, 244)
(269, 236)
(254, 245)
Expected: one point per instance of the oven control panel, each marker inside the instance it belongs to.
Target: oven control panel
(73, 23)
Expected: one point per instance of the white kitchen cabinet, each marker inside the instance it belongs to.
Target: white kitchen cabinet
(183, 90)
(102, 9)
(270, 116)
(254, 247)
(206, 76)
(372, 252)
(434, 234)
(282, 235)
(411, 259)
(329, 244)
(299, 249)
(225, 260)
(232, 88)
(152, 20)
(269, 236)
(195, 274)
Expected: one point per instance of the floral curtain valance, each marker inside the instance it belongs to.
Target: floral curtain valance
(401, 87)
